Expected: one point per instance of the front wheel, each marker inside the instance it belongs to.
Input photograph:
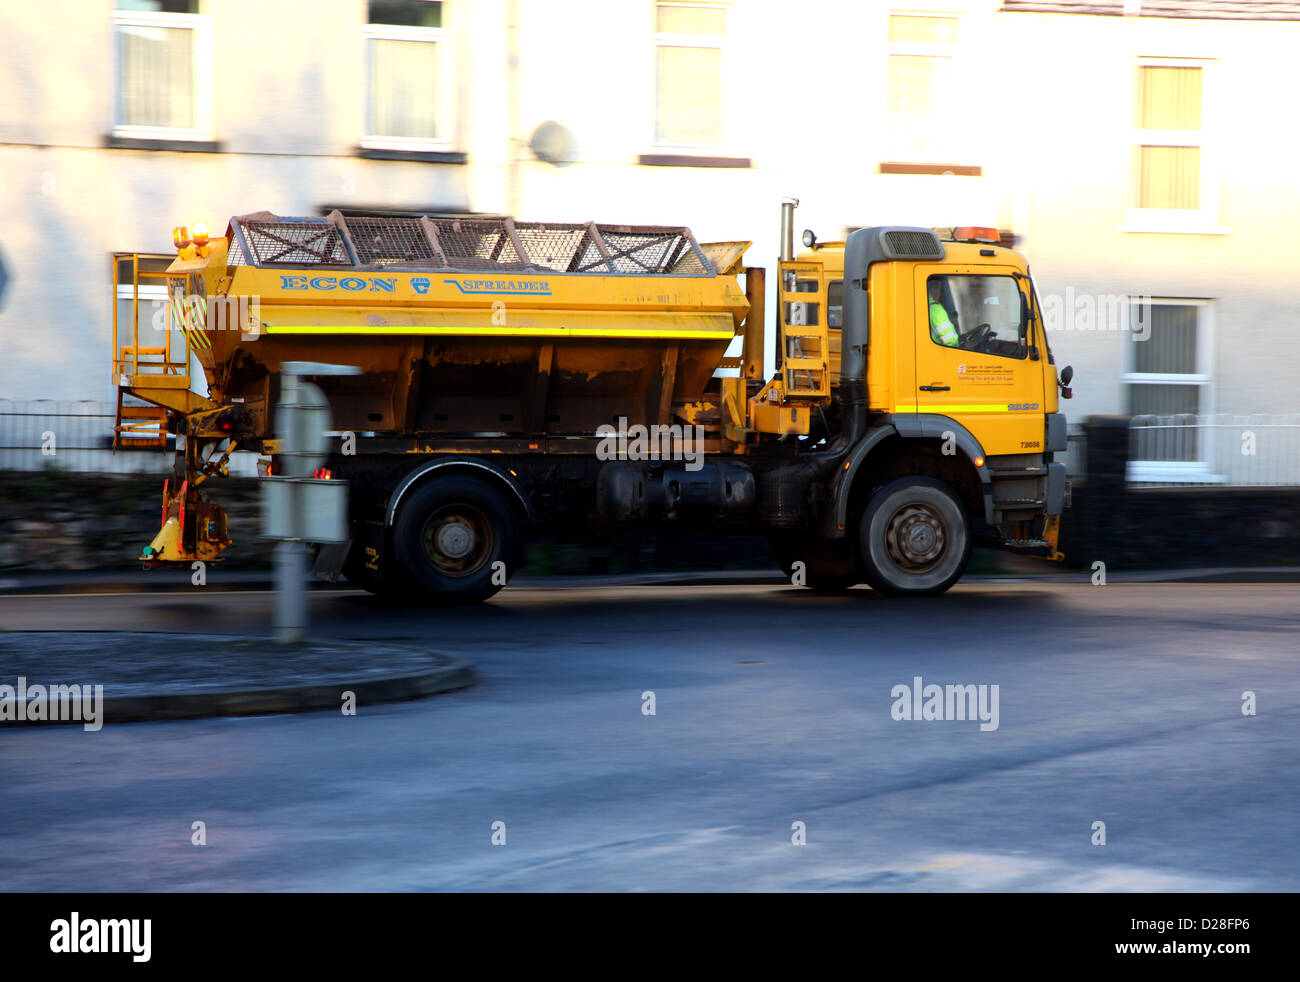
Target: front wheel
(456, 540)
(914, 537)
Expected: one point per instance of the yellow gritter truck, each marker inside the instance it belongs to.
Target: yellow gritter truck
(522, 374)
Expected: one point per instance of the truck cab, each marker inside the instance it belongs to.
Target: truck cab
(941, 329)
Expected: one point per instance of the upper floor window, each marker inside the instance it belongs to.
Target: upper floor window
(410, 95)
(689, 40)
(1169, 128)
(922, 87)
(1173, 186)
(163, 58)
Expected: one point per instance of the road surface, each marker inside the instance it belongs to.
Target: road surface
(1119, 704)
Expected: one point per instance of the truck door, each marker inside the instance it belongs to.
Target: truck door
(977, 354)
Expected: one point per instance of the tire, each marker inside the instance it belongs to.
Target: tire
(914, 538)
(449, 537)
(829, 566)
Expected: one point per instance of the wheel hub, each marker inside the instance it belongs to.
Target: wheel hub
(455, 539)
(916, 537)
(458, 540)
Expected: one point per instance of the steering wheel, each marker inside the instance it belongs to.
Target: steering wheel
(976, 337)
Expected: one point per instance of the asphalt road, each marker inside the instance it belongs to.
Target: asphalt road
(1119, 704)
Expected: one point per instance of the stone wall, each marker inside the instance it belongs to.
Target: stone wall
(51, 520)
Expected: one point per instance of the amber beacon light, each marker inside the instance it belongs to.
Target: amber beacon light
(972, 233)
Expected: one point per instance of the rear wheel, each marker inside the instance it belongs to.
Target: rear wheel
(455, 540)
(914, 537)
(828, 566)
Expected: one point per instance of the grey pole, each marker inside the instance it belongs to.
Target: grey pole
(290, 618)
(301, 419)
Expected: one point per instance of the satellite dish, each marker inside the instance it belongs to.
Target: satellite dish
(553, 143)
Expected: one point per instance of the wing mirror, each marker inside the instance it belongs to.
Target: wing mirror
(1027, 318)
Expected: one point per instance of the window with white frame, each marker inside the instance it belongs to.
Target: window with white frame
(689, 42)
(163, 54)
(410, 98)
(1168, 386)
(152, 309)
(922, 86)
(1173, 184)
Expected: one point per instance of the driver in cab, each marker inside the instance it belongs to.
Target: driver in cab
(942, 329)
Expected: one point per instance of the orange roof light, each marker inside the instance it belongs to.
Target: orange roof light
(180, 236)
(975, 233)
(200, 232)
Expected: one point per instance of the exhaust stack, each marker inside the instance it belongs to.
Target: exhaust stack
(788, 205)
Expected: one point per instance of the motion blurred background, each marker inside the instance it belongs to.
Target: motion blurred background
(1140, 153)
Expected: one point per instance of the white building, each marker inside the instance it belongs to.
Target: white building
(1134, 149)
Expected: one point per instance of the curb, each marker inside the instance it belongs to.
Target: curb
(262, 702)
(10, 587)
(447, 674)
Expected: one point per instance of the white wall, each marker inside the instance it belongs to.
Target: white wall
(1047, 110)
(1077, 94)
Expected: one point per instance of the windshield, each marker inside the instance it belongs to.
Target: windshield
(978, 312)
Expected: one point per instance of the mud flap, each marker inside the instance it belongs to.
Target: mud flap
(329, 560)
(365, 555)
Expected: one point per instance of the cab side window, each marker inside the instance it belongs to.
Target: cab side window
(977, 313)
(835, 303)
